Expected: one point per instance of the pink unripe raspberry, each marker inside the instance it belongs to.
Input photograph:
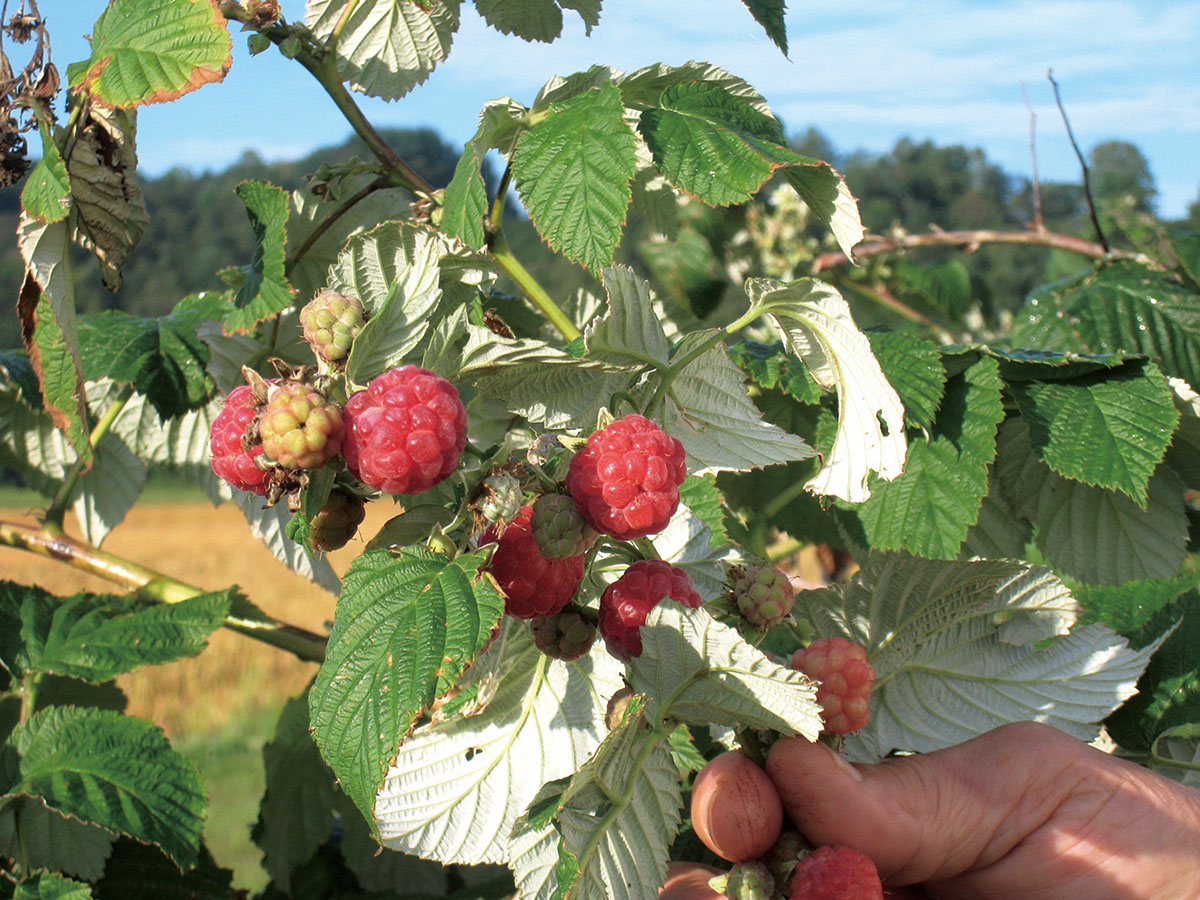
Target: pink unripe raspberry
(836, 873)
(532, 584)
(626, 602)
(300, 429)
(625, 481)
(405, 432)
(764, 595)
(231, 460)
(844, 681)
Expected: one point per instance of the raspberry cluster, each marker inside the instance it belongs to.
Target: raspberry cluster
(233, 450)
(845, 679)
(626, 602)
(405, 432)
(532, 584)
(836, 873)
(625, 481)
(764, 595)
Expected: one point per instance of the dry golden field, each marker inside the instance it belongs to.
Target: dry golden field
(211, 548)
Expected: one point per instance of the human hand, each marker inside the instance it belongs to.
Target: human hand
(1023, 811)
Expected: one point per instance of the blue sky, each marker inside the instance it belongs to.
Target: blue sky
(865, 73)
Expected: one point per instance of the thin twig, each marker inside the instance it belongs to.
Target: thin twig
(61, 548)
(349, 204)
(1039, 224)
(968, 239)
(1087, 187)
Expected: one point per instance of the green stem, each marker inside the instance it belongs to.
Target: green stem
(62, 499)
(529, 286)
(782, 499)
(785, 550)
(57, 546)
(29, 690)
(678, 365)
(496, 213)
(321, 62)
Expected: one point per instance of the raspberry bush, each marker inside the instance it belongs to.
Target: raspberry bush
(562, 464)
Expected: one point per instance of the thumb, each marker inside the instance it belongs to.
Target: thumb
(928, 816)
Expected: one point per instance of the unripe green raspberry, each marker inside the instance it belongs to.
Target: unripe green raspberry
(500, 499)
(746, 881)
(337, 522)
(558, 527)
(782, 859)
(331, 323)
(567, 635)
(300, 429)
(764, 595)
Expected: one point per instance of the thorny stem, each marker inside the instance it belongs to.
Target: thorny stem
(57, 546)
(970, 240)
(529, 286)
(58, 506)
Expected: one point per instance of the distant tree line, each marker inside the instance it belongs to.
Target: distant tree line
(198, 225)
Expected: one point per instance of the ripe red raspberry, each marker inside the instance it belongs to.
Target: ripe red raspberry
(836, 873)
(331, 323)
(337, 522)
(533, 585)
(625, 482)
(845, 677)
(405, 432)
(764, 595)
(566, 635)
(626, 602)
(230, 459)
(558, 528)
(300, 429)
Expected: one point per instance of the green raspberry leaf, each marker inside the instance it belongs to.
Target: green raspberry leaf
(46, 307)
(712, 144)
(151, 51)
(1110, 430)
(573, 172)
(816, 325)
(386, 47)
(914, 368)
(528, 720)
(47, 192)
(265, 290)
(769, 14)
(297, 808)
(1114, 306)
(137, 872)
(376, 678)
(929, 508)
(466, 199)
(38, 837)
(1094, 535)
(695, 669)
(163, 358)
(51, 886)
(95, 637)
(114, 771)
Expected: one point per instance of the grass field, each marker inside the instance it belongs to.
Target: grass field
(219, 707)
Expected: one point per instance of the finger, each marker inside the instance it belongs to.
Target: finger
(689, 881)
(930, 816)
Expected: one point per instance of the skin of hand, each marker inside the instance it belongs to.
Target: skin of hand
(1023, 811)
